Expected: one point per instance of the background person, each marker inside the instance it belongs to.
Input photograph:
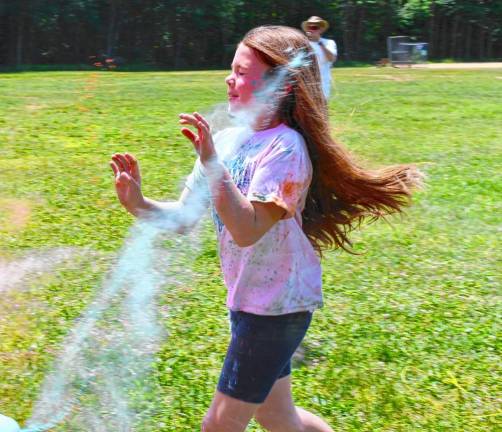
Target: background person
(325, 49)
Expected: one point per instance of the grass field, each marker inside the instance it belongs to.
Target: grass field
(408, 339)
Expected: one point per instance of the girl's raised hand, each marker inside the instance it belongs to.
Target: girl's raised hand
(202, 141)
(127, 181)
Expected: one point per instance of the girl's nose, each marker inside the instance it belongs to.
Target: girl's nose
(229, 80)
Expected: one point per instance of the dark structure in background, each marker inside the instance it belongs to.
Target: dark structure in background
(199, 34)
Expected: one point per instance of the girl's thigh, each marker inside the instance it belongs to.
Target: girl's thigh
(260, 353)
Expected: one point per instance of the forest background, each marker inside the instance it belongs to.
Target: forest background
(202, 34)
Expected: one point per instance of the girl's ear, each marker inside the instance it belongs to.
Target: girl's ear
(288, 88)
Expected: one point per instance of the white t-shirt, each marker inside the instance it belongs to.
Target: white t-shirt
(324, 63)
(280, 273)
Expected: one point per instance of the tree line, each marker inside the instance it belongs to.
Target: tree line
(203, 33)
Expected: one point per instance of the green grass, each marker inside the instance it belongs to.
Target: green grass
(408, 337)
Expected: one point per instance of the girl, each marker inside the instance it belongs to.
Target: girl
(282, 194)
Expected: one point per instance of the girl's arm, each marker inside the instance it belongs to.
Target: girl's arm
(176, 215)
(247, 221)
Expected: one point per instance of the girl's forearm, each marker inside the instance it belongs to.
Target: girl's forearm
(178, 216)
(167, 215)
(148, 208)
(152, 206)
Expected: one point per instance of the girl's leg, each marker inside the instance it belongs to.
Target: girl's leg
(227, 414)
(279, 414)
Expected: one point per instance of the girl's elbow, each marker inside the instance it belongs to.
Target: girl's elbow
(245, 240)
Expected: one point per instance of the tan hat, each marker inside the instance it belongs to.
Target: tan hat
(315, 20)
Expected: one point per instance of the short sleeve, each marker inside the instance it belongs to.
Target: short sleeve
(283, 175)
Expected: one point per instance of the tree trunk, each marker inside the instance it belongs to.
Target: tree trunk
(361, 14)
(178, 45)
(481, 43)
(112, 28)
(444, 37)
(453, 35)
(468, 39)
(19, 39)
(434, 32)
(489, 45)
(348, 31)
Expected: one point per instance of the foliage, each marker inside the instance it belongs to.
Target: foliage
(203, 33)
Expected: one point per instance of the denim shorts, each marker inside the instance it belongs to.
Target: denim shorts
(260, 353)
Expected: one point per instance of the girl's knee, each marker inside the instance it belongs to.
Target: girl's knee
(209, 424)
(205, 425)
(274, 422)
(214, 423)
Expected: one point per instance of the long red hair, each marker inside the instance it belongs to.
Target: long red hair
(342, 193)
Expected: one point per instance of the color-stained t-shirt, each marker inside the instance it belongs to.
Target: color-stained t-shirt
(280, 273)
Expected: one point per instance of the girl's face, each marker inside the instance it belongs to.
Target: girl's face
(247, 76)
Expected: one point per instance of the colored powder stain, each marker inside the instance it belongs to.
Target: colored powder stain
(288, 188)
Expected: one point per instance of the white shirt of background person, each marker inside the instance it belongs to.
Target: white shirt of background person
(324, 49)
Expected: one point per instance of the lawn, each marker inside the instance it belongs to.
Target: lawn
(408, 337)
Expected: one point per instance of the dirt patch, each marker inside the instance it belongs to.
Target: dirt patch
(381, 78)
(492, 65)
(34, 107)
(17, 213)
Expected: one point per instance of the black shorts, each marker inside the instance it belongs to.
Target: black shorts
(260, 353)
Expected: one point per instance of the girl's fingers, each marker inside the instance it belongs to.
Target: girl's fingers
(201, 119)
(114, 168)
(120, 162)
(202, 139)
(117, 163)
(201, 131)
(203, 127)
(133, 163)
(204, 133)
(188, 119)
(194, 119)
(190, 135)
(124, 179)
(131, 159)
(202, 124)
(125, 163)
